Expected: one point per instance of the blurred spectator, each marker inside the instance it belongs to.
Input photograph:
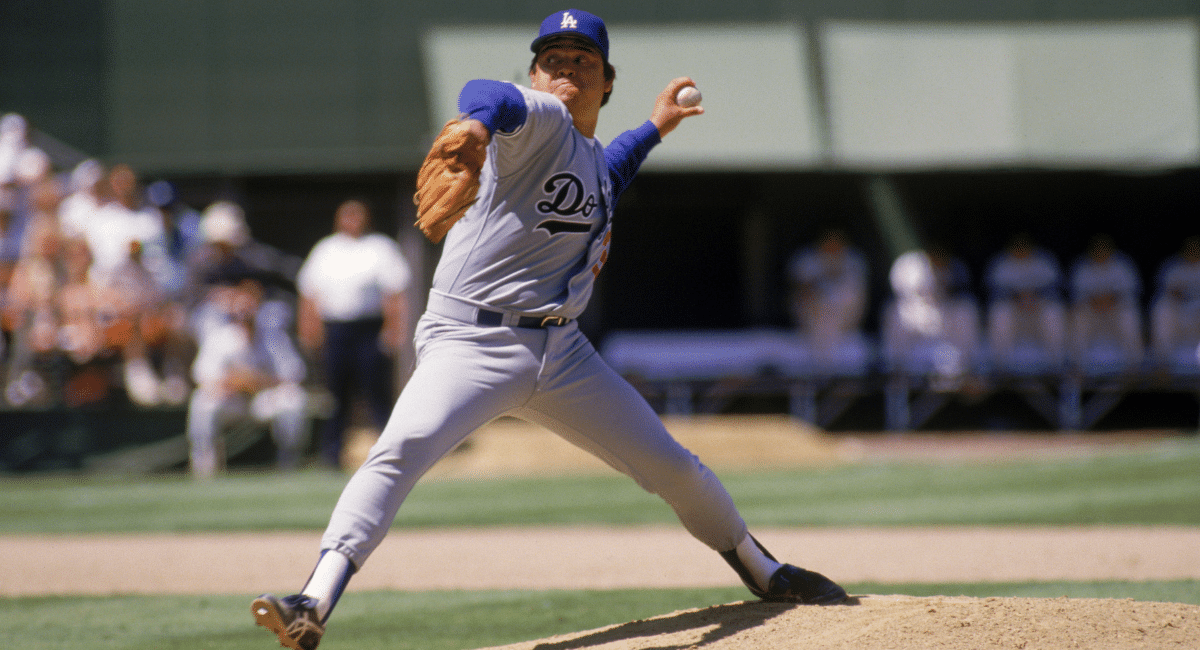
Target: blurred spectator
(1026, 312)
(246, 372)
(31, 314)
(23, 170)
(932, 324)
(228, 255)
(130, 266)
(87, 192)
(1175, 309)
(90, 356)
(43, 200)
(1106, 317)
(182, 237)
(352, 305)
(124, 218)
(12, 231)
(147, 326)
(828, 299)
(14, 141)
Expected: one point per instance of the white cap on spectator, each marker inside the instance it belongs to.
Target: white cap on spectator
(13, 125)
(224, 221)
(32, 165)
(86, 174)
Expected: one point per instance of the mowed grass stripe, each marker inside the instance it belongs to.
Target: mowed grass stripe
(1137, 488)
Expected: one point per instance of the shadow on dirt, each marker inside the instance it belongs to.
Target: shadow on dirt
(713, 624)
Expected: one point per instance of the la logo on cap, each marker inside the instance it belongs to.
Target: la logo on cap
(568, 21)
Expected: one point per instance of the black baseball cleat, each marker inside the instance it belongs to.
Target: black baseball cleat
(791, 584)
(292, 618)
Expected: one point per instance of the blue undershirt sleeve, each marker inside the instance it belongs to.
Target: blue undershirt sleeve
(626, 153)
(499, 105)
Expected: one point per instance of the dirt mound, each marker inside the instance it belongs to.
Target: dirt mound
(902, 623)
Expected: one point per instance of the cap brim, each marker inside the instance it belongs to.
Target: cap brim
(542, 43)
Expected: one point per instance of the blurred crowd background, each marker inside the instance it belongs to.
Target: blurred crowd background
(951, 198)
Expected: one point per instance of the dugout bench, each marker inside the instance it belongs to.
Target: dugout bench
(683, 372)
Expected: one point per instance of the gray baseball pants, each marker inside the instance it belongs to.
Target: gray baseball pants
(467, 375)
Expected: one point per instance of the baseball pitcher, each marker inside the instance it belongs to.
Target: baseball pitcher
(522, 194)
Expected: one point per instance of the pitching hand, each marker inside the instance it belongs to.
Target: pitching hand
(667, 113)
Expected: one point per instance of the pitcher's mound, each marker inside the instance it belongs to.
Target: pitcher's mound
(903, 623)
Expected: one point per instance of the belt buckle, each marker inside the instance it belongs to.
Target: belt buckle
(554, 321)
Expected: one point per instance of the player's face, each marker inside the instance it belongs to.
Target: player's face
(572, 72)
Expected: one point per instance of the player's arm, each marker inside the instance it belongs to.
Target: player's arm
(627, 151)
(310, 329)
(497, 105)
(448, 181)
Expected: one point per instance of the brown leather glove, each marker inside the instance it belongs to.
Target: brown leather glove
(448, 182)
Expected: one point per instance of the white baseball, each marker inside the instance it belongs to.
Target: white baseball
(688, 96)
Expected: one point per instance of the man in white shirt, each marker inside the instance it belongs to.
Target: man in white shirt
(352, 307)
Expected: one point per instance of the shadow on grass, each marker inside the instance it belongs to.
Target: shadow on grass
(718, 622)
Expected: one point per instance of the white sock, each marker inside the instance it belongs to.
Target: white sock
(327, 581)
(759, 565)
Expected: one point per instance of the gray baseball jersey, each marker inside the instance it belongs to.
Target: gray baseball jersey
(529, 248)
(534, 241)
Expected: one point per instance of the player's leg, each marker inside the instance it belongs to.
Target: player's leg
(1001, 333)
(1163, 319)
(340, 381)
(1130, 324)
(462, 381)
(591, 406)
(208, 414)
(1053, 319)
(376, 371)
(443, 402)
(284, 408)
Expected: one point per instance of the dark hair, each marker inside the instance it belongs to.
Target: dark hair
(610, 74)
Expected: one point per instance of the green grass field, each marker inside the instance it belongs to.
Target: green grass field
(1159, 486)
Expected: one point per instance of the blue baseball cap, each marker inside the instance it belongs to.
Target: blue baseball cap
(573, 22)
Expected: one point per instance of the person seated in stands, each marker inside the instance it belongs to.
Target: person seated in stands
(828, 299)
(247, 371)
(1026, 321)
(127, 240)
(84, 336)
(14, 142)
(87, 192)
(1175, 309)
(931, 326)
(148, 326)
(31, 316)
(1106, 318)
(229, 254)
(12, 232)
(124, 217)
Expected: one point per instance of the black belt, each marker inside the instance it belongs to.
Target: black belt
(489, 318)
